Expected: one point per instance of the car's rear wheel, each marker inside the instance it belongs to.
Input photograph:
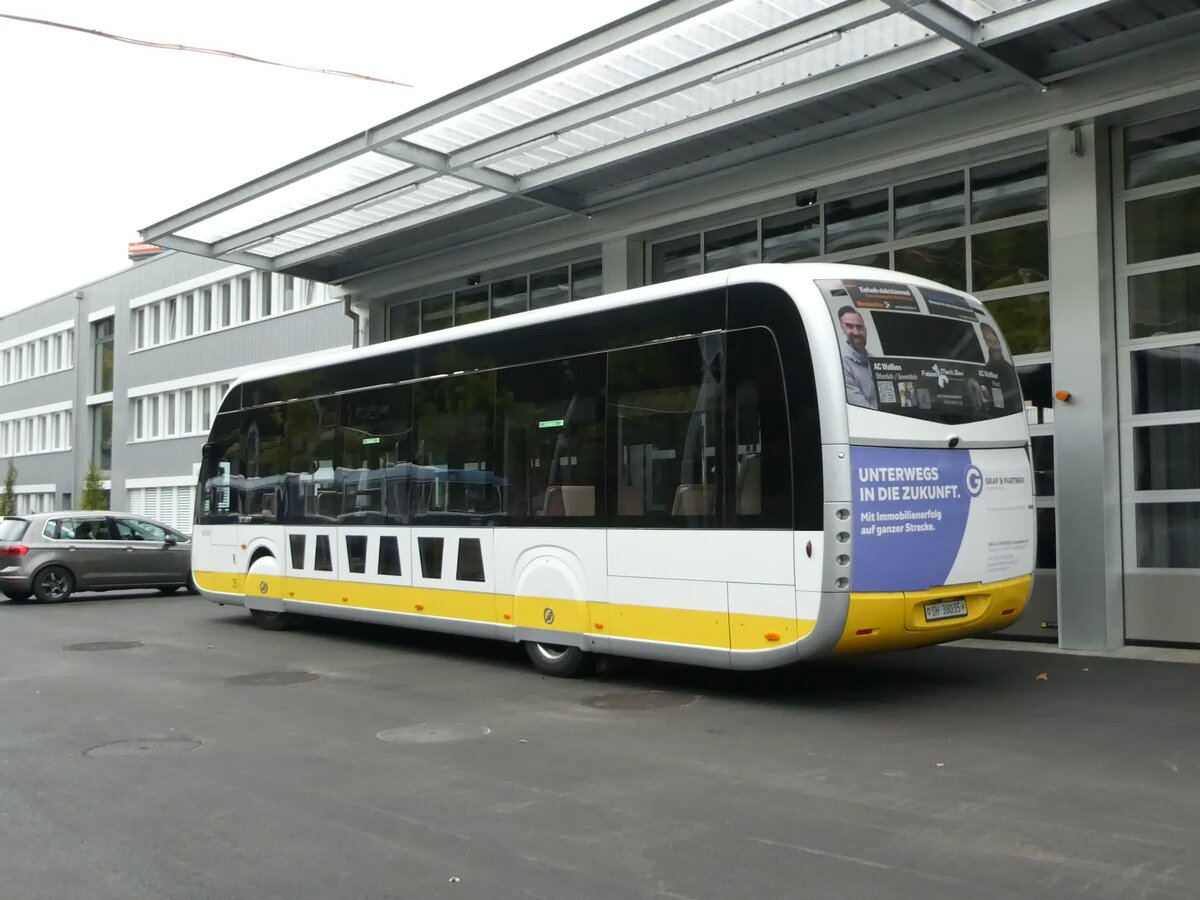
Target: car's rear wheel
(272, 621)
(557, 659)
(53, 584)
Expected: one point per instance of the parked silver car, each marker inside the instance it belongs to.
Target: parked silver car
(53, 554)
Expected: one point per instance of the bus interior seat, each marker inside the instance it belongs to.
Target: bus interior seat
(749, 485)
(329, 504)
(694, 500)
(570, 500)
(629, 500)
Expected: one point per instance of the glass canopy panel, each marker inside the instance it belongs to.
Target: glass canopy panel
(717, 29)
(871, 40)
(978, 10)
(435, 198)
(301, 194)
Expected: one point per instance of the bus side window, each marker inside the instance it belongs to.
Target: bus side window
(453, 424)
(312, 450)
(665, 423)
(550, 438)
(758, 432)
(373, 475)
(223, 470)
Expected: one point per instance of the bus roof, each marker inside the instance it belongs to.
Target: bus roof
(784, 274)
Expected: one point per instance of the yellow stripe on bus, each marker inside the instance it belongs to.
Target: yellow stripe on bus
(739, 631)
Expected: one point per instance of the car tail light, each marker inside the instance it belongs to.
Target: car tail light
(13, 550)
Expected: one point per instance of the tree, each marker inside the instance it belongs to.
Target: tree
(93, 493)
(8, 501)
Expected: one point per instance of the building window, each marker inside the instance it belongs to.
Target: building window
(676, 259)
(587, 279)
(288, 300)
(726, 248)
(471, 306)
(185, 403)
(205, 413)
(264, 294)
(102, 435)
(102, 356)
(549, 288)
(244, 286)
(510, 296)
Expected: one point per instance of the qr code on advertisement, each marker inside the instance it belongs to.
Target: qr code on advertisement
(887, 392)
(998, 397)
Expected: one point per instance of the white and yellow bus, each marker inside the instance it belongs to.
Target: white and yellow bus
(741, 469)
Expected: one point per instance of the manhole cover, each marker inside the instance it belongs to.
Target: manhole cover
(143, 747)
(433, 733)
(640, 700)
(273, 678)
(104, 645)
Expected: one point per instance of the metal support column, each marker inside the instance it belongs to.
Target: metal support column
(1082, 336)
(624, 264)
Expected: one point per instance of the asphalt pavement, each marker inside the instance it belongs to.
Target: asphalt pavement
(163, 747)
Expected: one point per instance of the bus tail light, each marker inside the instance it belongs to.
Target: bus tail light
(14, 550)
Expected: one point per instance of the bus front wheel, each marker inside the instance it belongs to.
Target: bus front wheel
(557, 660)
(272, 621)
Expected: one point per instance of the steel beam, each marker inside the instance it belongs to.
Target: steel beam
(962, 32)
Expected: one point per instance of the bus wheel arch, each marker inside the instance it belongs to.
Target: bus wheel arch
(551, 611)
(263, 592)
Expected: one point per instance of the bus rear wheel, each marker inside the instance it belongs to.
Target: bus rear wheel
(557, 660)
(272, 621)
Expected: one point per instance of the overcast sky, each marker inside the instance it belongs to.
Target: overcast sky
(99, 139)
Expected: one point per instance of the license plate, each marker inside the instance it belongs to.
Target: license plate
(945, 609)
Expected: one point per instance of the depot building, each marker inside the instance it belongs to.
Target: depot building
(1044, 156)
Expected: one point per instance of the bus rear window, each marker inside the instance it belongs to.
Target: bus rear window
(919, 352)
(927, 337)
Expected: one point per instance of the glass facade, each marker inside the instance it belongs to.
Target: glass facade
(983, 229)
(478, 302)
(1158, 291)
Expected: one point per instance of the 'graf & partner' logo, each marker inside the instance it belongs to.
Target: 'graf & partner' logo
(974, 481)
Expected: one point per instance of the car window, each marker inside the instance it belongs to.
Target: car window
(51, 528)
(139, 530)
(84, 530)
(12, 529)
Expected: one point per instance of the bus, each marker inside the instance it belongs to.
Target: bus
(741, 469)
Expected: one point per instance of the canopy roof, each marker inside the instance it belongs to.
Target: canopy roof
(680, 89)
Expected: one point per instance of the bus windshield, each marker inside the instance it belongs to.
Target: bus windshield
(922, 353)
